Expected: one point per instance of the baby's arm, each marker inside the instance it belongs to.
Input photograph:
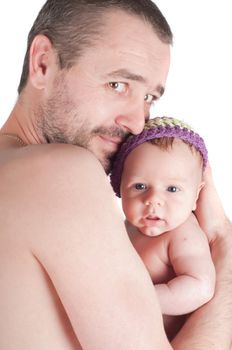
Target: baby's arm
(190, 257)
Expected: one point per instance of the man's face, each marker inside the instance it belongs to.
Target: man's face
(109, 92)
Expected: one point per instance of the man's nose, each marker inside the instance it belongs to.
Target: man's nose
(133, 119)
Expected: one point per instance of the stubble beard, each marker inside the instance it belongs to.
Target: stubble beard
(60, 122)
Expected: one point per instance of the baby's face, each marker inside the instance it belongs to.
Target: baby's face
(159, 188)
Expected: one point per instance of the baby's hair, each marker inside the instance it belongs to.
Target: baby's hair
(166, 142)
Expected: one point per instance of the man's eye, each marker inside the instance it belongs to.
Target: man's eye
(119, 87)
(140, 186)
(173, 189)
(149, 98)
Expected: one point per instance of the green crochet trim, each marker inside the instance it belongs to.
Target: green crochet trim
(166, 121)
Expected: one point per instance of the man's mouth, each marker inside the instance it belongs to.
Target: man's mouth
(110, 139)
(111, 143)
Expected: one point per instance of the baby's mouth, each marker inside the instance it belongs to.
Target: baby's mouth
(152, 220)
(153, 217)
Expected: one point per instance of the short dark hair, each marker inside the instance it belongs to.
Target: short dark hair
(73, 25)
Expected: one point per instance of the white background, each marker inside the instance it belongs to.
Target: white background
(198, 88)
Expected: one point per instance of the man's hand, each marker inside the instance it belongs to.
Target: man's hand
(210, 213)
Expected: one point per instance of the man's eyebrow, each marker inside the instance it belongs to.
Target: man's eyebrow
(126, 74)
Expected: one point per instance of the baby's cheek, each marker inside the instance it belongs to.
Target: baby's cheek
(131, 211)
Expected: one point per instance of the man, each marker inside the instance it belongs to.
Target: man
(70, 278)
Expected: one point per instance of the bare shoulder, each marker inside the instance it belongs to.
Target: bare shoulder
(188, 239)
(43, 158)
(58, 205)
(55, 166)
(51, 185)
(190, 229)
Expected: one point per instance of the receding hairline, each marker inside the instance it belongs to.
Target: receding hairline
(163, 37)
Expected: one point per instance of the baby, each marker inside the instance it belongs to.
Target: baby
(159, 174)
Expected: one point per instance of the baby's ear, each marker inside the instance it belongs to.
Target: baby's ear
(201, 185)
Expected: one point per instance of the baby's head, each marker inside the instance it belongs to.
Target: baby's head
(158, 174)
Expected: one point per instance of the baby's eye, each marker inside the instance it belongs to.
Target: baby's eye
(118, 87)
(140, 186)
(149, 98)
(173, 189)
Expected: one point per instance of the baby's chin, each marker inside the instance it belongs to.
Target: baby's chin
(152, 231)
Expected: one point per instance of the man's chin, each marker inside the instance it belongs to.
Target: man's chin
(105, 158)
(106, 165)
(107, 161)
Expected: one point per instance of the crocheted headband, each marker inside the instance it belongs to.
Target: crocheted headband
(156, 128)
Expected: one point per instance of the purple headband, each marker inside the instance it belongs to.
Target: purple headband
(156, 128)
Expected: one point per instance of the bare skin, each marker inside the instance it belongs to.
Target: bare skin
(64, 275)
(159, 191)
(214, 319)
(62, 261)
(38, 319)
(192, 283)
(37, 309)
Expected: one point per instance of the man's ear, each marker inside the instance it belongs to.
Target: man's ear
(42, 60)
(201, 185)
